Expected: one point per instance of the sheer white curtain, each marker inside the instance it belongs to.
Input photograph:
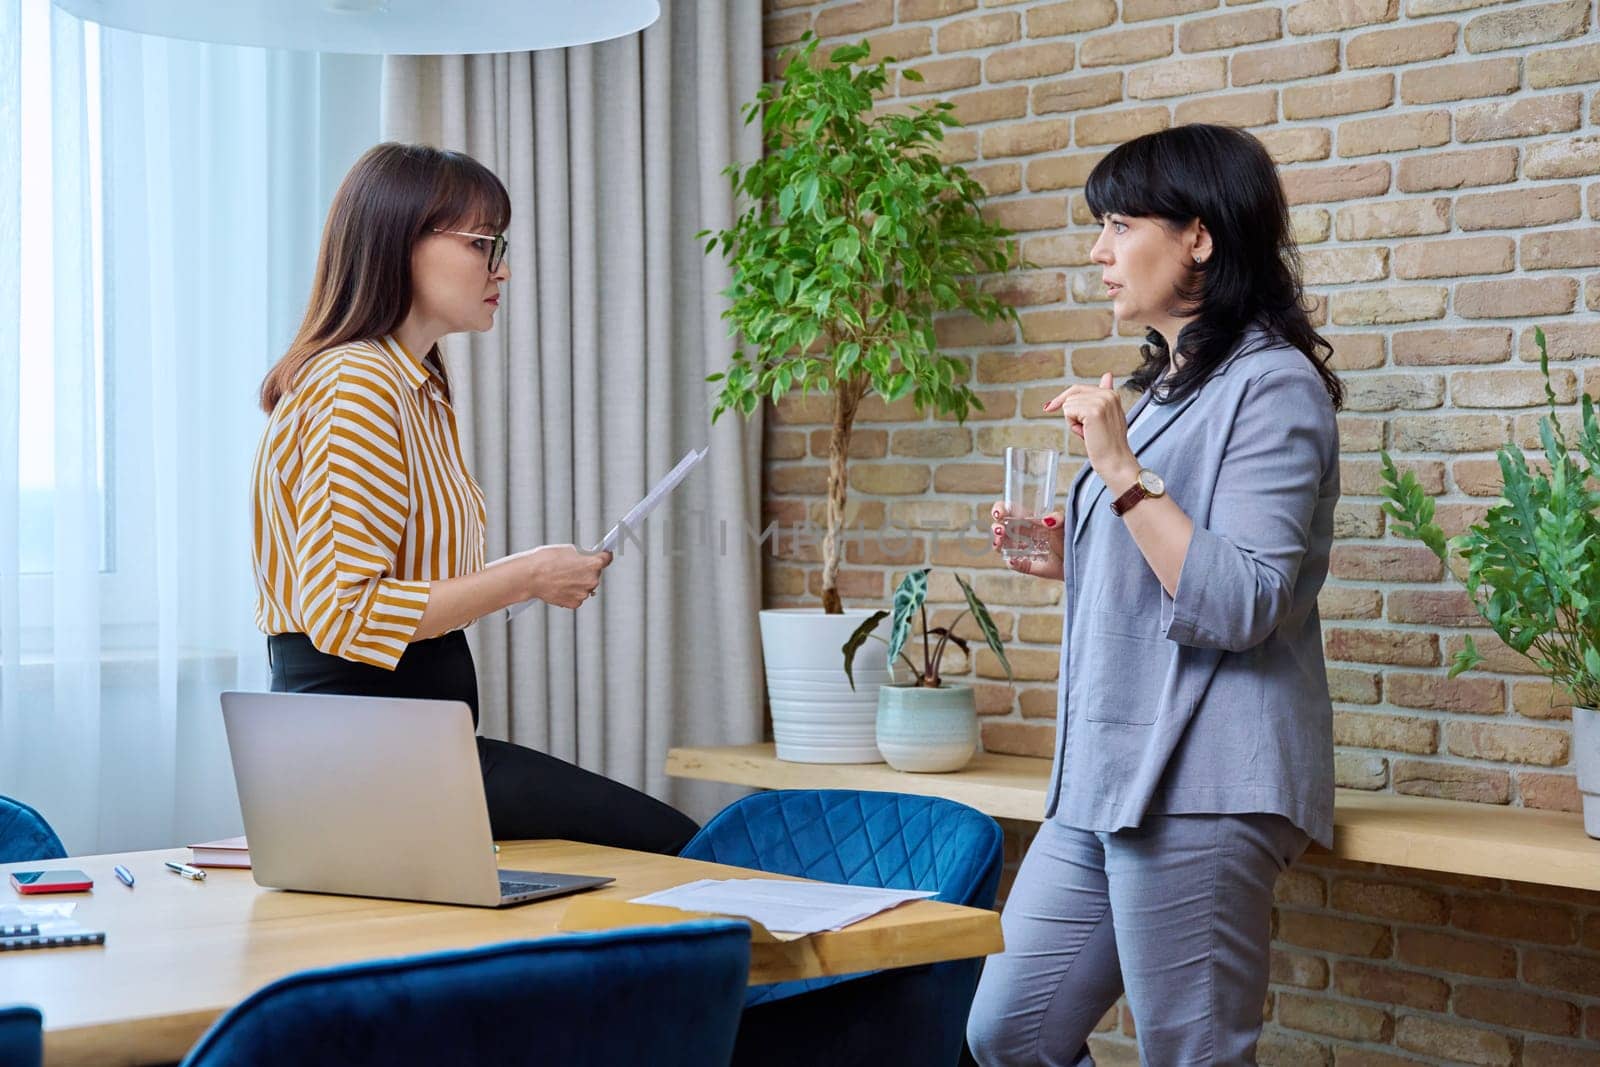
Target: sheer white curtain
(158, 228)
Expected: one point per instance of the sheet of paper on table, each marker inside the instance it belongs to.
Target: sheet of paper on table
(790, 907)
(36, 912)
(639, 512)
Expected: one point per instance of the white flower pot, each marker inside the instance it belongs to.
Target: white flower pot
(927, 730)
(1586, 758)
(816, 717)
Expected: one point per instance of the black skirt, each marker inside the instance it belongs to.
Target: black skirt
(437, 668)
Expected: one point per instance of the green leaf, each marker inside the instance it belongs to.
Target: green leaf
(1466, 658)
(990, 633)
(1411, 508)
(858, 639)
(908, 598)
(911, 75)
(844, 359)
(808, 193)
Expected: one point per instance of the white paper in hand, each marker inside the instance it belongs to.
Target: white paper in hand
(639, 512)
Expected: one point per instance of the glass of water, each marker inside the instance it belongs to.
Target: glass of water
(1030, 495)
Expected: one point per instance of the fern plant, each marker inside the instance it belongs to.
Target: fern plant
(1532, 565)
(910, 599)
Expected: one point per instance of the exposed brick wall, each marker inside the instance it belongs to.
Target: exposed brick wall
(1382, 966)
(1443, 162)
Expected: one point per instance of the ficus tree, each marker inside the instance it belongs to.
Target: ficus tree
(853, 238)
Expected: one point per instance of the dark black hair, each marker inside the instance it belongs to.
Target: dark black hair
(1225, 178)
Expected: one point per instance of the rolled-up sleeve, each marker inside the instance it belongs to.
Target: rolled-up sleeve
(351, 502)
(1238, 577)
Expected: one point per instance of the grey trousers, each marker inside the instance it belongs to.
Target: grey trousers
(1176, 912)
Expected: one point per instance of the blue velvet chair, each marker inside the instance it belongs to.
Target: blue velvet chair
(25, 836)
(666, 996)
(21, 1037)
(914, 1015)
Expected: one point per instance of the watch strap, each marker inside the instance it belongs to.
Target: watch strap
(1146, 484)
(1135, 493)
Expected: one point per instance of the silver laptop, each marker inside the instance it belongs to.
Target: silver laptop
(371, 797)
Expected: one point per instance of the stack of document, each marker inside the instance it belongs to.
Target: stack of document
(786, 907)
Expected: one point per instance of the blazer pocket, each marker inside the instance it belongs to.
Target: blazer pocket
(1117, 671)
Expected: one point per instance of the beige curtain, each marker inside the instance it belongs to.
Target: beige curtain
(592, 384)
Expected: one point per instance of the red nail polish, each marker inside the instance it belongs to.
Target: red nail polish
(1050, 520)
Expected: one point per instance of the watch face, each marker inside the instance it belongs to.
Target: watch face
(1152, 483)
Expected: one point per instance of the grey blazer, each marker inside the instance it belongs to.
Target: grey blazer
(1215, 699)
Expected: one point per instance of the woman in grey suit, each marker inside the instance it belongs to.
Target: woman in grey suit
(1194, 750)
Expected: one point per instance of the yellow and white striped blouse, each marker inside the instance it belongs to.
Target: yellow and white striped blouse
(361, 498)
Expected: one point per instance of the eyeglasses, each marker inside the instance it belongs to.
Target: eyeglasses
(496, 249)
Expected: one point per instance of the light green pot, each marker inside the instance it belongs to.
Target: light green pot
(927, 730)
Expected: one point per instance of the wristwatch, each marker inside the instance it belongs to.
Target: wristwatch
(1148, 483)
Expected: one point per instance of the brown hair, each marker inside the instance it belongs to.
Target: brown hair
(395, 195)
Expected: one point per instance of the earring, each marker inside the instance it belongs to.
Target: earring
(1198, 261)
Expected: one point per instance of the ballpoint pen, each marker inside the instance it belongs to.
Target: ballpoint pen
(187, 871)
(124, 875)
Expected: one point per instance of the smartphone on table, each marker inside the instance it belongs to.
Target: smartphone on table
(64, 881)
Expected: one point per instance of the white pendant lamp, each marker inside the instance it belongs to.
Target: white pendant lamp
(382, 27)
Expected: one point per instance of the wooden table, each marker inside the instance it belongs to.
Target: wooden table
(179, 953)
(1520, 844)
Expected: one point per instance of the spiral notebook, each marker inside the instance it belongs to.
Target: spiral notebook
(61, 933)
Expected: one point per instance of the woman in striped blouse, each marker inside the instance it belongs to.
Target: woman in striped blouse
(369, 544)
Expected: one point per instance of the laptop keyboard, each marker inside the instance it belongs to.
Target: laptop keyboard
(512, 889)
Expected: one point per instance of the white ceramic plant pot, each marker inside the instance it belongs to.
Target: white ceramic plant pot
(816, 716)
(1586, 758)
(927, 730)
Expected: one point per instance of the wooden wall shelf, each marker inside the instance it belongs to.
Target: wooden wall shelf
(1520, 844)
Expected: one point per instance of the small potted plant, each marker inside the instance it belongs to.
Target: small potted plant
(1532, 567)
(925, 724)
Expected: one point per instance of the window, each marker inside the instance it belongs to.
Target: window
(160, 216)
(38, 408)
(170, 196)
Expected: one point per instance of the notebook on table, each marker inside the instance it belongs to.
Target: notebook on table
(226, 852)
(58, 933)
